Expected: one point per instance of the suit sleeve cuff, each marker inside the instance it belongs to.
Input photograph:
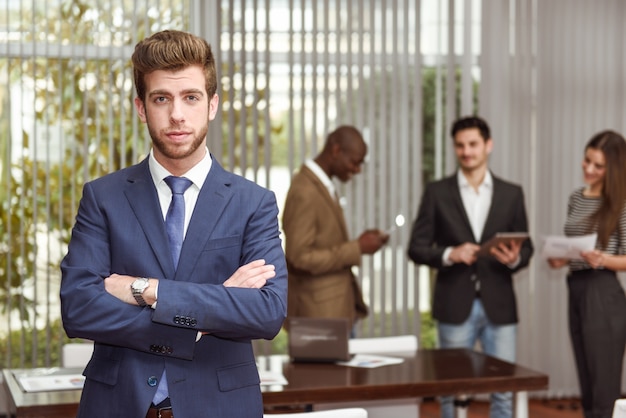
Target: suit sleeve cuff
(514, 264)
(445, 258)
(156, 296)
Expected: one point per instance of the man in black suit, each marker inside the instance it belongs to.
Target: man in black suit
(474, 298)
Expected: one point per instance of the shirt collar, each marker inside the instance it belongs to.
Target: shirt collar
(463, 183)
(321, 174)
(197, 174)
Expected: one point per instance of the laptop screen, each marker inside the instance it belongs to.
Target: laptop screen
(318, 339)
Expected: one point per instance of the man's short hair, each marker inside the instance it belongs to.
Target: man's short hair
(172, 50)
(469, 122)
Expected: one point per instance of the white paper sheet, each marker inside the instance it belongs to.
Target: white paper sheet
(370, 361)
(45, 383)
(272, 378)
(557, 246)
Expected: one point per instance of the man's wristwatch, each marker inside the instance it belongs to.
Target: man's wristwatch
(138, 287)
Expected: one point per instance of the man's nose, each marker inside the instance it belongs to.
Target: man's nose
(177, 114)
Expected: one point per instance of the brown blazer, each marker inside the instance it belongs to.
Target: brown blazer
(319, 253)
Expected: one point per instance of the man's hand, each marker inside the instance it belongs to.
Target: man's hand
(119, 286)
(464, 253)
(253, 275)
(372, 240)
(507, 253)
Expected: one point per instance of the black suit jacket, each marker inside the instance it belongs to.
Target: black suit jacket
(442, 222)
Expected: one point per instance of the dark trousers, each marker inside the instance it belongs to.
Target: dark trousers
(597, 323)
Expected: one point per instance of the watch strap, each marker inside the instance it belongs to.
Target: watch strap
(138, 291)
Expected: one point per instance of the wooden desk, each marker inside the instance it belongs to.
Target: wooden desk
(53, 404)
(429, 373)
(457, 372)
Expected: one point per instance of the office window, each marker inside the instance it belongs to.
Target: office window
(67, 115)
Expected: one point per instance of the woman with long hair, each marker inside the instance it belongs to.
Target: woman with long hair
(597, 304)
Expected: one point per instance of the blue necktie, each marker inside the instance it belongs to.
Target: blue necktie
(175, 226)
(175, 219)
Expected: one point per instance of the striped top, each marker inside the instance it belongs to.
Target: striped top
(579, 209)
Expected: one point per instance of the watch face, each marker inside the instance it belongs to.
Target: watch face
(139, 285)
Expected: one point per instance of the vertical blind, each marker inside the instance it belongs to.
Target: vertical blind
(290, 71)
(553, 75)
(66, 117)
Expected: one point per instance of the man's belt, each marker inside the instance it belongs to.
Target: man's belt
(155, 412)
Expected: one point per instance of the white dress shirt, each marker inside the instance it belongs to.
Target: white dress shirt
(321, 174)
(197, 175)
(476, 203)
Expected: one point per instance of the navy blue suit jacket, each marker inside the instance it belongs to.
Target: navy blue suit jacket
(442, 222)
(120, 229)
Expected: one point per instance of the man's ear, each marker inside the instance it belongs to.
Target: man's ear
(489, 144)
(213, 106)
(141, 109)
(335, 149)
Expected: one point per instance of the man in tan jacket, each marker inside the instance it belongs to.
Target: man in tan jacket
(319, 251)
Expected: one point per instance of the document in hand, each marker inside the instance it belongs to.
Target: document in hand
(556, 246)
(502, 237)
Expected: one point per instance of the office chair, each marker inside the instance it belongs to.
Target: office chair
(76, 354)
(331, 413)
(619, 410)
(383, 345)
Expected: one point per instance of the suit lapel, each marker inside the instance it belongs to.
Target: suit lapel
(143, 199)
(330, 200)
(212, 201)
(495, 196)
(455, 193)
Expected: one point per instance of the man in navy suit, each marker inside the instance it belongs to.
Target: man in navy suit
(474, 298)
(184, 327)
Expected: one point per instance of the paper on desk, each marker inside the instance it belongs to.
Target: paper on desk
(556, 246)
(271, 378)
(370, 361)
(51, 382)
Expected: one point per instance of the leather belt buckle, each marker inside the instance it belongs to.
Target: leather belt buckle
(165, 412)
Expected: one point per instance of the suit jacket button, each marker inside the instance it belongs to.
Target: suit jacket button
(152, 381)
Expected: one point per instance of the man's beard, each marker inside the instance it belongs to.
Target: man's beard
(176, 152)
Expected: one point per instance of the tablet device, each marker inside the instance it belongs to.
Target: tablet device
(502, 237)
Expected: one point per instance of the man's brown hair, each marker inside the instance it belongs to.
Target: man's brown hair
(172, 50)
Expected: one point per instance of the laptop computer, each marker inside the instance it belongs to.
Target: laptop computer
(318, 339)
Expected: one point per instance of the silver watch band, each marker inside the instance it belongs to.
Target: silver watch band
(138, 289)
